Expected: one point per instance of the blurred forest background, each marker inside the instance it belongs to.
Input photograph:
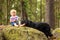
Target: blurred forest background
(35, 10)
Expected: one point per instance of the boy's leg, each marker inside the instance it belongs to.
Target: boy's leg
(12, 23)
(15, 24)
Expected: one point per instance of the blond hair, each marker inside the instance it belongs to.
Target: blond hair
(13, 10)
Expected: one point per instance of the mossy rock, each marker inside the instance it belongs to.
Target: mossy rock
(1, 37)
(23, 33)
(56, 33)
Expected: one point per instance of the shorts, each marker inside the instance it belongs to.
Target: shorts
(12, 23)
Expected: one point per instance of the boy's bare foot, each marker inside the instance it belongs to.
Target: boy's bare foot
(15, 25)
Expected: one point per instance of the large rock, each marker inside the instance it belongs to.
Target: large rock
(1, 38)
(56, 33)
(23, 33)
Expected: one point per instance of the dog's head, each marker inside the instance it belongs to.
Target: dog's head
(27, 22)
(23, 21)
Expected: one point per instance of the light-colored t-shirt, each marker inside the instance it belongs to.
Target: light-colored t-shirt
(14, 18)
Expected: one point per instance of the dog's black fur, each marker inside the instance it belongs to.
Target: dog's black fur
(44, 27)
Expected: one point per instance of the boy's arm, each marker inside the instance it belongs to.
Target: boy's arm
(22, 24)
(10, 20)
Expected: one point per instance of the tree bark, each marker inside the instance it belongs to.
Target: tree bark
(1, 12)
(23, 11)
(49, 16)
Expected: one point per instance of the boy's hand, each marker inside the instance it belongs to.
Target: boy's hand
(14, 20)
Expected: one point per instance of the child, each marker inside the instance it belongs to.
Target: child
(14, 18)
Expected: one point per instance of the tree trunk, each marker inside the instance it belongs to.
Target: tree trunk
(1, 12)
(49, 16)
(24, 14)
(41, 11)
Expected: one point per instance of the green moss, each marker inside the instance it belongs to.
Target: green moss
(23, 33)
(1, 38)
(56, 33)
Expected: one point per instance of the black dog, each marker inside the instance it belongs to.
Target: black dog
(44, 27)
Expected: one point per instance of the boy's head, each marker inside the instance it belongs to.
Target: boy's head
(13, 12)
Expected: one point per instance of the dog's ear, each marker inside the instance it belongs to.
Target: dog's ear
(22, 21)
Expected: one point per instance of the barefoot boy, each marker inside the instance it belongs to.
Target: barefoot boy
(13, 18)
